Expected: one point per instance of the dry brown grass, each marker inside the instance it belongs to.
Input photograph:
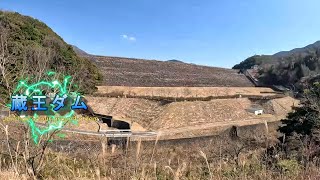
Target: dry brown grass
(175, 92)
(284, 105)
(10, 175)
(210, 158)
(154, 115)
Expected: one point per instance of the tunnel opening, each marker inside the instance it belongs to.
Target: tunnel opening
(120, 124)
(106, 121)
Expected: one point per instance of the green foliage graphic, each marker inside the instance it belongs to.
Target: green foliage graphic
(56, 121)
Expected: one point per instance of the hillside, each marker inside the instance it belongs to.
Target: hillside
(29, 48)
(119, 71)
(79, 51)
(280, 57)
(286, 67)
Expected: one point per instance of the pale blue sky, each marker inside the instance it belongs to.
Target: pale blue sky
(208, 32)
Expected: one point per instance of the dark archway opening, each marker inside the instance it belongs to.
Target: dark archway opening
(120, 124)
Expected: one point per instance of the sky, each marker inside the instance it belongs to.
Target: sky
(217, 33)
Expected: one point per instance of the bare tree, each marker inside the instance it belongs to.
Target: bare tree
(4, 60)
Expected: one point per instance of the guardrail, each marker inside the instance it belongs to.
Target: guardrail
(109, 133)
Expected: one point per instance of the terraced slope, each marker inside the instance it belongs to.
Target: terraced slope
(118, 71)
(184, 114)
(156, 115)
(139, 110)
(186, 92)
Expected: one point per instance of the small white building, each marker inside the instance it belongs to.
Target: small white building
(256, 111)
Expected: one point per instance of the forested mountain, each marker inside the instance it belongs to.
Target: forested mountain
(286, 67)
